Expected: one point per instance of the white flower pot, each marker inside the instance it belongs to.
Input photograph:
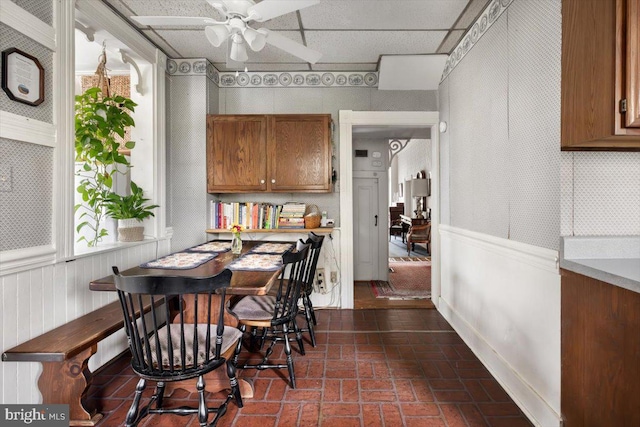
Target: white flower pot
(130, 230)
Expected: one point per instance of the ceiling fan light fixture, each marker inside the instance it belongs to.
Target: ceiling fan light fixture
(238, 50)
(255, 39)
(216, 34)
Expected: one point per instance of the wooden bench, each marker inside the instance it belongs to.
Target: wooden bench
(64, 353)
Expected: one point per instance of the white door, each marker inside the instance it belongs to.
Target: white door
(366, 221)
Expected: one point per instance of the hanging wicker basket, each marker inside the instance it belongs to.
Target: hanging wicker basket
(312, 216)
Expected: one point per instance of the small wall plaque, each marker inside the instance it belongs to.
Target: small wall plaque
(22, 77)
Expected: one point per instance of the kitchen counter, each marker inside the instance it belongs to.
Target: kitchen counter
(611, 259)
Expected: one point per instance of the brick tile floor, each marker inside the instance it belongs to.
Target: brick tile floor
(401, 367)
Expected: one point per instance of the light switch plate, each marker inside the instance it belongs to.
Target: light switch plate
(6, 178)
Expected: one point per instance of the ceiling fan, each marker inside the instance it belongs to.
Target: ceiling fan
(235, 28)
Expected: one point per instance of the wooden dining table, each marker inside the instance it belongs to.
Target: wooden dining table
(243, 283)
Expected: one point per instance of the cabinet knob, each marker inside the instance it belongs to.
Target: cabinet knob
(273, 181)
(262, 181)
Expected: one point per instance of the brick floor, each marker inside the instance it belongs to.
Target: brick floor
(401, 367)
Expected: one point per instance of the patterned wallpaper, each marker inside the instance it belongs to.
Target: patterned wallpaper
(502, 153)
(26, 195)
(26, 192)
(445, 167)
(187, 187)
(43, 112)
(600, 193)
(41, 9)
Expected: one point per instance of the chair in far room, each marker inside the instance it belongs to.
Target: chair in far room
(419, 234)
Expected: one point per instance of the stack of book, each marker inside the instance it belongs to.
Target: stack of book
(292, 215)
(252, 216)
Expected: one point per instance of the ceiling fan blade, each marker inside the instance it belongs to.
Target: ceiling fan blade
(175, 20)
(288, 45)
(269, 9)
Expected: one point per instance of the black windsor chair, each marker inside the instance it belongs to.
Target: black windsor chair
(276, 315)
(170, 343)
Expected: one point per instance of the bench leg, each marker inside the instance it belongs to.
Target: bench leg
(67, 383)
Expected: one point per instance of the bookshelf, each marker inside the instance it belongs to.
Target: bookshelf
(321, 230)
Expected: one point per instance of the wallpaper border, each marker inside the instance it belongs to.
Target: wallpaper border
(198, 66)
(486, 19)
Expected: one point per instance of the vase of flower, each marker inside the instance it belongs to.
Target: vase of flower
(236, 239)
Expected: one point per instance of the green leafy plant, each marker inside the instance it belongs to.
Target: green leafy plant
(132, 206)
(98, 122)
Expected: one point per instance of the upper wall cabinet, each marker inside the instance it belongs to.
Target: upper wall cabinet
(274, 153)
(600, 75)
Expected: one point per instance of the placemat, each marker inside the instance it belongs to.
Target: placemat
(212, 247)
(271, 248)
(257, 262)
(180, 260)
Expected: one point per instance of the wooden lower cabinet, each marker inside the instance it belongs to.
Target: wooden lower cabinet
(600, 353)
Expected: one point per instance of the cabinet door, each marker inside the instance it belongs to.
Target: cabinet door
(299, 153)
(599, 53)
(632, 116)
(236, 153)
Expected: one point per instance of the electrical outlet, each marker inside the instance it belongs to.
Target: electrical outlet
(334, 277)
(321, 284)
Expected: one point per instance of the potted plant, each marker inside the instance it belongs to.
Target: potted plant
(100, 125)
(129, 211)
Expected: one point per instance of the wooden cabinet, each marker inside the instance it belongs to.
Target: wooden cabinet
(600, 75)
(274, 153)
(600, 353)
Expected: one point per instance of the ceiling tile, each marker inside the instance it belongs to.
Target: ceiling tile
(161, 43)
(170, 8)
(193, 44)
(471, 13)
(451, 41)
(345, 67)
(382, 14)
(191, 8)
(367, 46)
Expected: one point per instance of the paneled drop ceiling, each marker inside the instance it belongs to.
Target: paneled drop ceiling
(351, 34)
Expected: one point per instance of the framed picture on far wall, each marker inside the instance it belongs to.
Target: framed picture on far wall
(22, 77)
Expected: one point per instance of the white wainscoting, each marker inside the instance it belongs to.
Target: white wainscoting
(503, 299)
(37, 300)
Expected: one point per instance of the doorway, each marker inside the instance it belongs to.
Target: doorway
(349, 120)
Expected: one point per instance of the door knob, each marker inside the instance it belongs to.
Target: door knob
(262, 181)
(273, 181)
